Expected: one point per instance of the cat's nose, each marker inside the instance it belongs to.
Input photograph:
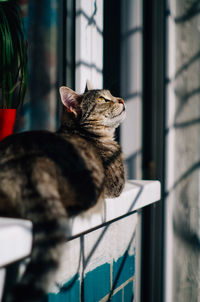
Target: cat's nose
(121, 101)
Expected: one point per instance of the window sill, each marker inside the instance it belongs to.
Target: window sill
(16, 234)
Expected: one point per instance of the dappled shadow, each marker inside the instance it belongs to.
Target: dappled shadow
(90, 19)
(182, 125)
(190, 13)
(187, 123)
(129, 33)
(106, 226)
(137, 196)
(186, 234)
(89, 65)
(86, 260)
(115, 281)
(183, 162)
(131, 162)
(187, 64)
(192, 169)
(181, 218)
(184, 98)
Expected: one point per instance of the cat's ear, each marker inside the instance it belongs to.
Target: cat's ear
(88, 86)
(70, 100)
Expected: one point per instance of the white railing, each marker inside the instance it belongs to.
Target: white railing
(120, 214)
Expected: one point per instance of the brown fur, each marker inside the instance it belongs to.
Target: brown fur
(47, 177)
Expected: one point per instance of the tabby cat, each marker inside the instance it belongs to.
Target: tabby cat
(47, 177)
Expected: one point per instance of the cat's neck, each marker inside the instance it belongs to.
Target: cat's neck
(70, 125)
(103, 138)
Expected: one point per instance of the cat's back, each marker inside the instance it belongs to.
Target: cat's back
(33, 144)
(50, 161)
(29, 143)
(45, 150)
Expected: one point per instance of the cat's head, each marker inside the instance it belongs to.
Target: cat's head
(94, 110)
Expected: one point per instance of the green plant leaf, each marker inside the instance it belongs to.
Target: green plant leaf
(13, 55)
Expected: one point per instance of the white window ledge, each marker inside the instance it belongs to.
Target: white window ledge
(136, 195)
(16, 234)
(15, 240)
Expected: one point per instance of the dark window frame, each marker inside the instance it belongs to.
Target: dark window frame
(111, 53)
(66, 47)
(153, 161)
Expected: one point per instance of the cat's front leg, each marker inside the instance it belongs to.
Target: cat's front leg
(114, 176)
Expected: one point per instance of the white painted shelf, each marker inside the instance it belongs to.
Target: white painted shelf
(16, 234)
(15, 240)
(136, 195)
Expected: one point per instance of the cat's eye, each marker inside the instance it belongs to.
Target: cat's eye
(102, 99)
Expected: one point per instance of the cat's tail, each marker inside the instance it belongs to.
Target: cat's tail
(49, 234)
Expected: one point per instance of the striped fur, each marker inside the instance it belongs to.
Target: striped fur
(47, 177)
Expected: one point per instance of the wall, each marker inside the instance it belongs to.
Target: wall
(131, 90)
(131, 84)
(101, 266)
(183, 153)
(89, 44)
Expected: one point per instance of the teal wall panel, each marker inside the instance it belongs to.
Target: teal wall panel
(123, 269)
(70, 292)
(128, 292)
(97, 283)
(117, 297)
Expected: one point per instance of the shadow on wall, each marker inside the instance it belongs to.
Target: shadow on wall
(82, 286)
(183, 209)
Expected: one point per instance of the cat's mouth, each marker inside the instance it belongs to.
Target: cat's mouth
(117, 119)
(122, 111)
(113, 121)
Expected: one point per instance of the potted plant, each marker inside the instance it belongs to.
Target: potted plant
(13, 64)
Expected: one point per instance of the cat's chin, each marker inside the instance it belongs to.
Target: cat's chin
(123, 115)
(117, 120)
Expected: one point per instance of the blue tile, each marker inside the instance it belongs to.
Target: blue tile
(128, 292)
(123, 269)
(70, 292)
(117, 297)
(97, 283)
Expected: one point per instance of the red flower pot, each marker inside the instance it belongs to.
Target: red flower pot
(7, 121)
